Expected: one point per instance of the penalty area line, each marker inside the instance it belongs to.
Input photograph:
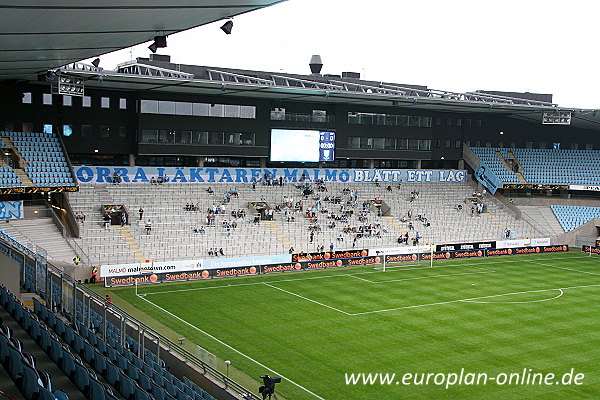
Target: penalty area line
(307, 299)
(233, 349)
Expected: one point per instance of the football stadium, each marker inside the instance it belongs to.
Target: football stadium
(174, 231)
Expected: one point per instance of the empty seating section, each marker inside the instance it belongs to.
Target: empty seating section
(46, 161)
(101, 370)
(8, 178)
(560, 167)
(488, 156)
(571, 217)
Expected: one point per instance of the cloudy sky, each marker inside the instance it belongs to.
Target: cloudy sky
(459, 45)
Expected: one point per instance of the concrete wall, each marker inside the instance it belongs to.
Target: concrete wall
(590, 229)
(10, 274)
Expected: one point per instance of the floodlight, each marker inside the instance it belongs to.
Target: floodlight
(96, 62)
(152, 47)
(160, 41)
(227, 27)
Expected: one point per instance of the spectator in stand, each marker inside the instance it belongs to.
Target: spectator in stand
(141, 211)
(107, 301)
(148, 226)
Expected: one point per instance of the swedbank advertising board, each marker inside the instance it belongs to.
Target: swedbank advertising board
(157, 272)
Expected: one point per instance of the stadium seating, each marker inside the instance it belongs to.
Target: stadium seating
(488, 156)
(560, 167)
(571, 217)
(8, 178)
(46, 163)
(172, 236)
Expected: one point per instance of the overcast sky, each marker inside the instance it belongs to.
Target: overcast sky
(459, 45)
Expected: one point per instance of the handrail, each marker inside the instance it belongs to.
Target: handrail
(165, 342)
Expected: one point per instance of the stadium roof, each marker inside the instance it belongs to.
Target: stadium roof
(159, 75)
(37, 35)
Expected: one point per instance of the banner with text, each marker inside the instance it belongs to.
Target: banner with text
(11, 210)
(93, 174)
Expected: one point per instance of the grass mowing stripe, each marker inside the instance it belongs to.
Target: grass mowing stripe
(232, 348)
(307, 299)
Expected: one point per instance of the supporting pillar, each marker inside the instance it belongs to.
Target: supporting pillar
(131, 160)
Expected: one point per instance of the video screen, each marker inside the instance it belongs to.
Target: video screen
(302, 145)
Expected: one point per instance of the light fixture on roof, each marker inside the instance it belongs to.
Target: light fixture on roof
(96, 62)
(502, 132)
(159, 43)
(227, 27)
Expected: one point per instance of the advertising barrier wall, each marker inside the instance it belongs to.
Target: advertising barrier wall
(591, 249)
(128, 274)
(88, 174)
(487, 177)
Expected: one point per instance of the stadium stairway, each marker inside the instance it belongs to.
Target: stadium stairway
(41, 232)
(544, 219)
(132, 244)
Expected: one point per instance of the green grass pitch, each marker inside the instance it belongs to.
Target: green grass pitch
(492, 315)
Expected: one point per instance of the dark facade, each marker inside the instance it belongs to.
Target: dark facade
(111, 126)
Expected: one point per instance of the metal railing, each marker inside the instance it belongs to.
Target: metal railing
(146, 333)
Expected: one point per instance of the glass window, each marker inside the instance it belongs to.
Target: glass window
(574, 146)
(48, 128)
(438, 121)
(67, 130)
(529, 145)
(513, 145)
(104, 102)
(402, 120)
(589, 146)
(47, 99)
(426, 122)
(448, 121)
(217, 110)
(232, 139)
(8, 126)
(183, 108)
(366, 119)
(390, 144)
(413, 144)
(448, 143)
(86, 131)
(86, 101)
(353, 118)
(354, 142)
(488, 144)
(232, 111)
(183, 137)
(366, 143)
(390, 120)
(215, 138)
(166, 107)
(479, 123)
(380, 119)
(248, 112)
(542, 145)
(149, 136)
(402, 144)
(478, 143)
(166, 136)
(27, 98)
(247, 139)
(122, 132)
(200, 109)
(149, 107)
(438, 143)
(424, 144)
(122, 103)
(457, 144)
(458, 121)
(501, 144)
(379, 143)
(469, 122)
(105, 131)
(67, 100)
(199, 137)
(414, 120)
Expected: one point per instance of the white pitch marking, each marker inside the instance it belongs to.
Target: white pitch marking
(234, 349)
(565, 268)
(307, 299)
(514, 302)
(466, 300)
